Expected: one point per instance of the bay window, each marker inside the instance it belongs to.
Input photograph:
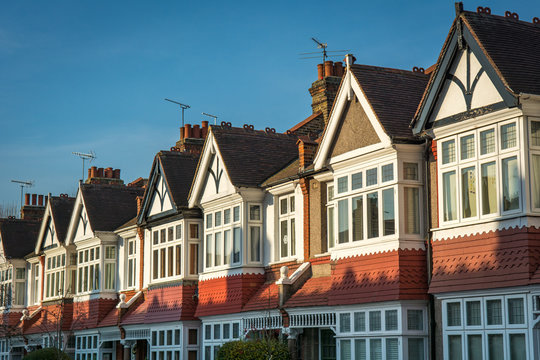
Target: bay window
(223, 238)
(166, 252)
(54, 275)
(88, 269)
(485, 178)
(287, 227)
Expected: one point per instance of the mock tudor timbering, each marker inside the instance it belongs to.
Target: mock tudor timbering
(399, 221)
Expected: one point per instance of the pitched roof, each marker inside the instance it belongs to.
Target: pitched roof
(251, 156)
(393, 95)
(18, 236)
(179, 170)
(61, 209)
(513, 46)
(109, 206)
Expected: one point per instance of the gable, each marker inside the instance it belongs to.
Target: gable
(83, 229)
(160, 197)
(216, 182)
(354, 131)
(50, 239)
(467, 86)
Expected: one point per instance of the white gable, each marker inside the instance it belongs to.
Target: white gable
(216, 183)
(83, 230)
(161, 198)
(49, 237)
(467, 86)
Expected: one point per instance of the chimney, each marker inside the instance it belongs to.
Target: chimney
(192, 139)
(306, 151)
(324, 90)
(104, 176)
(33, 210)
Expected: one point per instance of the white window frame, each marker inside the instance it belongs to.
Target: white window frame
(173, 347)
(213, 341)
(86, 269)
(289, 218)
(210, 232)
(112, 261)
(36, 282)
(131, 258)
(254, 223)
(165, 243)
(534, 150)
(6, 286)
(59, 273)
(87, 347)
(497, 156)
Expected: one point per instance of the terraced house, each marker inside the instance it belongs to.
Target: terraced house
(399, 221)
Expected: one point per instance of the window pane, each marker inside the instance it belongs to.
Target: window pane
(208, 221)
(448, 152)
(358, 218)
(236, 213)
(415, 320)
(255, 243)
(454, 347)
(375, 349)
(218, 218)
(373, 215)
(208, 248)
(535, 133)
(170, 233)
(207, 332)
(390, 320)
(392, 349)
(356, 181)
(412, 211)
(236, 330)
(508, 136)
(416, 349)
(389, 218)
(162, 263)
(387, 172)
(449, 196)
(410, 171)
(345, 352)
(474, 347)
(170, 261)
(474, 317)
(487, 141)
(359, 321)
(343, 221)
(193, 259)
(217, 331)
(467, 147)
(162, 237)
(217, 249)
(237, 243)
(178, 231)
(345, 322)
(360, 349)
(489, 188)
(518, 349)
(468, 192)
(374, 321)
(511, 184)
(283, 206)
(453, 314)
(535, 179)
(342, 185)
(284, 238)
(226, 331)
(291, 208)
(255, 212)
(293, 237)
(331, 233)
(494, 312)
(516, 313)
(178, 260)
(226, 216)
(227, 246)
(495, 347)
(371, 177)
(194, 231)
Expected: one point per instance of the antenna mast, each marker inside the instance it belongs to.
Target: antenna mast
(22, 185)
(84, 156)
(182, 106)
(322, 46)
(212, 116)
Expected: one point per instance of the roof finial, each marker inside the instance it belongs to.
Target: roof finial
(459, 8)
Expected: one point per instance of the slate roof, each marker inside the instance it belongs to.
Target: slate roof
(18, 236)
(513, 46)
(251, 156)
(109, 206)
(393, 95)
(61, 209)
(179, 170)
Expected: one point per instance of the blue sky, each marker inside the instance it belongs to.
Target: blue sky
(92, 76)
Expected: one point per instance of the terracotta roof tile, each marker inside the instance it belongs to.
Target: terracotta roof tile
(266, 297)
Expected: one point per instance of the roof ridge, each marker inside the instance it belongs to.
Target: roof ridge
(504, 18)
(252, 132)
(389, 69)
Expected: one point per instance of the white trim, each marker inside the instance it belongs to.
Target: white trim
(233, 271)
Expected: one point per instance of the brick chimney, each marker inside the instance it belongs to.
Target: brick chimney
(104, 176)
(306, 151)
(33, 210)
(324, 90)
(192, 138)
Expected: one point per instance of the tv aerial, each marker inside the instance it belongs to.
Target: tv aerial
(325, 53)
(212, 116)
(85, 156)
(182, 106)
(23, 184)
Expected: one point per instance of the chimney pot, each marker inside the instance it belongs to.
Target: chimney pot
(187, 131)
(100, 172)
(328, 68)
(204, 130)
(320, 71)
(338, 68)
(196, 131)
(181, 133)
(34, 198)
(40, 200)
(26, 199)
(116, 173)
(109, 172)
(93, 172)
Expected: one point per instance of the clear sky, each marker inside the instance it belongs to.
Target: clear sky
(92, 75)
